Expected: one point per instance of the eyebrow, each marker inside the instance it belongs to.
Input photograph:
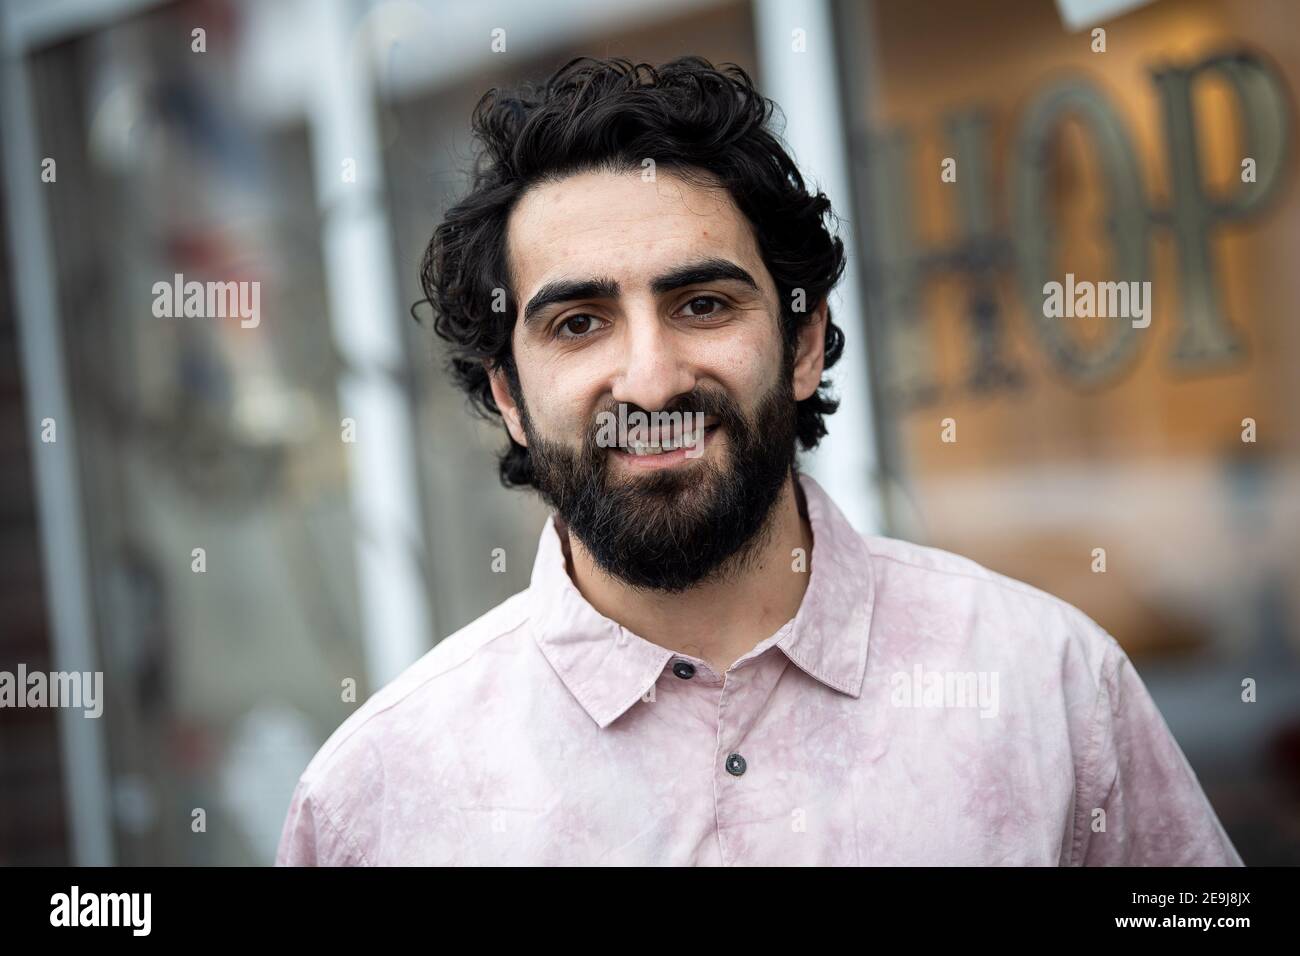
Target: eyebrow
(692, 273)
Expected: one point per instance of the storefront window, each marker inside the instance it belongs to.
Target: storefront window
(215, 487)
(1122, 439)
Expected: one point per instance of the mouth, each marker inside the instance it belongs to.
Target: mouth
(667, 454)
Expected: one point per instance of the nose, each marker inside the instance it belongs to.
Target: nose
(655, 364)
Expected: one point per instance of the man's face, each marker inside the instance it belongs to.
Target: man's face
(652, 297)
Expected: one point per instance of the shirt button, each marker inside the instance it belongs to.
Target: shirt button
(684, 669)
(735, 764)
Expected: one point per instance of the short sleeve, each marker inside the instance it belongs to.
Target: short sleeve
(1140, 801)
(310, 837)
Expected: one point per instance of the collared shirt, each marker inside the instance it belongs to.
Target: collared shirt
(917, 709)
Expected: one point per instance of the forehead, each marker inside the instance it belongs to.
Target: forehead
(620, 226)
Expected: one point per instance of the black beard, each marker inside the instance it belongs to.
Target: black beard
(671, 529)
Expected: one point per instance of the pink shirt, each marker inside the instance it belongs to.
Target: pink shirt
(918, 709)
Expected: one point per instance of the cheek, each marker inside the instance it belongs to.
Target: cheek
(562, 406)
(566, 389)
(744, 363)
(540, 384)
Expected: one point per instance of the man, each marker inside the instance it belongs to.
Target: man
(711, 666)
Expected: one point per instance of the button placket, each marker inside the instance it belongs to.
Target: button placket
(729, 727)
(731, 797)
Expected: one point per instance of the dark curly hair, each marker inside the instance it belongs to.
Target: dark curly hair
(708, 125)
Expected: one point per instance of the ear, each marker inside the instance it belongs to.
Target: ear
(810, 353)
(505, 402)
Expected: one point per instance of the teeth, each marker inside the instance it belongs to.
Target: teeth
(641, 448)
(645, 448)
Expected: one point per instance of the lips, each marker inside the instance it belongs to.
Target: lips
(650, 441)
(677, 444)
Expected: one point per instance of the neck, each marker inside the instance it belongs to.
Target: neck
(720, 620)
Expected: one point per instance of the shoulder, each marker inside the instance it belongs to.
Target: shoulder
(426, 697)
(919, 561)
(929, 586)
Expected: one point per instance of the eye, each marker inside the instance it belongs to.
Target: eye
(584, 324)
(705, 300)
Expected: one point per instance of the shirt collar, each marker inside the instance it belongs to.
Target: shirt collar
(607, 668)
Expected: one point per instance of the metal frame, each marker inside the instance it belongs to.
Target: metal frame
(87, 795)
(807, 88)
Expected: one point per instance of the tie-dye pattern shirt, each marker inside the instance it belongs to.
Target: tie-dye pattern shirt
(918, 709)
